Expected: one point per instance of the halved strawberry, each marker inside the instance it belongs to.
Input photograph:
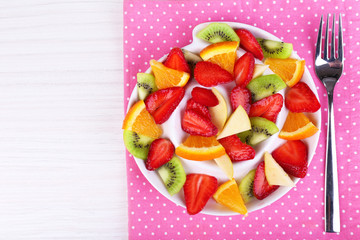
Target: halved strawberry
(191, 104)
(177, 61)
(209, 74)
(198, 189)
(160, 152)
(249, 43)
(240, 95)
(300, 98)
(244, 69)
(237, 150)
(268, 107)
(292, 156)
(197, 124)
(162, 103)
(261, 188)
(204, 96)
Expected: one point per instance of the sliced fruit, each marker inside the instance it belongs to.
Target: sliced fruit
(198, 189)
(237, 150)
(191, 104)
(167, 77)
(204, 96)
(209, 74)
(265, 86)
(218, 32)
(162, 103)
(262, 189)
(138, 145)
(268, 107)
(275, 174)
(275, 49)
(160, 152)
(261, 129)
(173, 175)
(219, 113)
(290, 70)
(145, 84)
(229, 196)
(292, 156)
(246, 186)
(240, 95)
(197, 124)
(238, 122)
(200, 148)
(297, 126)
(300, 98)
(139, 120)
(244, 69)
(259, 70)
(225, 163)
(249, 43)
(192, 59)
(222, 54)
(177, 61)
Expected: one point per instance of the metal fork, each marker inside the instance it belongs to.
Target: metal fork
(329, 70)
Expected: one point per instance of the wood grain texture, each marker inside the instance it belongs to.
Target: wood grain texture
(62, 160)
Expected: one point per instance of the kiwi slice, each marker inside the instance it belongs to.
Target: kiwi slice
(275, 49)
(246, 186)
(138, 145)
(218, 32)
(261, 129)
(146, 84)
(192, 59)
(173, 175)
(265, 86)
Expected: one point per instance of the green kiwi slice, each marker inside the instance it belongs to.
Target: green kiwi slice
(138, 145)
(265, 86)
(173, 175)
(246, 186)
(218, 32)
(192, 59)
(261, 129)
(146, 84)
(275, 49)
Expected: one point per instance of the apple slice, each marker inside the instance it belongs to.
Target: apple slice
(275, 174)
(225, 163)
(238, 122)
(219, 112)
(259, 70)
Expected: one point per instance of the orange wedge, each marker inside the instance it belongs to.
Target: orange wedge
(139, 120)
(167, 77)
(200, 148)
(297, 126)
(222, 53)
(228, 194)
(290, 70)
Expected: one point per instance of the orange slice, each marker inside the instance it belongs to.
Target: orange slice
(200, 148)
(290, 70)
(139, 120)
(228, 194)
(167, 77)
(222, 53)
(297, 126)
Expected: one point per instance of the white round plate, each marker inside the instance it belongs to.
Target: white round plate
(172, 130)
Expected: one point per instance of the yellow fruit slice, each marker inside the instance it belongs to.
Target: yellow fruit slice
(219, 113)
(225, 163)
(297, 126)
(139, 120)
(259, 70)
(290, 70)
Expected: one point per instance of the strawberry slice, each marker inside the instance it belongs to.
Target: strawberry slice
(162, 103)
(244, 69)
(261, 188)
(191, 104)
(176, 60)
(292, 156)
(237, 150)
(160, 152)
(209, 74)
(204, 96)
(249, 43)
(300, 98)
(198, 189)
(268, 107)
(240, 96)
(197, 124)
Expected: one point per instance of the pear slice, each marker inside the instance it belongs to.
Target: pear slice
(238, 122)
(219, 112)
(259, 70)
(275, 174)
(225, 163)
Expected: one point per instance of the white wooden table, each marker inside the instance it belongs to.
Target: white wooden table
(62, 160)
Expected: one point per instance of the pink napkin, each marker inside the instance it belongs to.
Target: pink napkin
(152, 28)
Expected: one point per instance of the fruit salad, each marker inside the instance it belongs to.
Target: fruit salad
(228, 126)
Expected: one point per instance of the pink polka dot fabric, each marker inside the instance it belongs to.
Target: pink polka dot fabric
(152, 28)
